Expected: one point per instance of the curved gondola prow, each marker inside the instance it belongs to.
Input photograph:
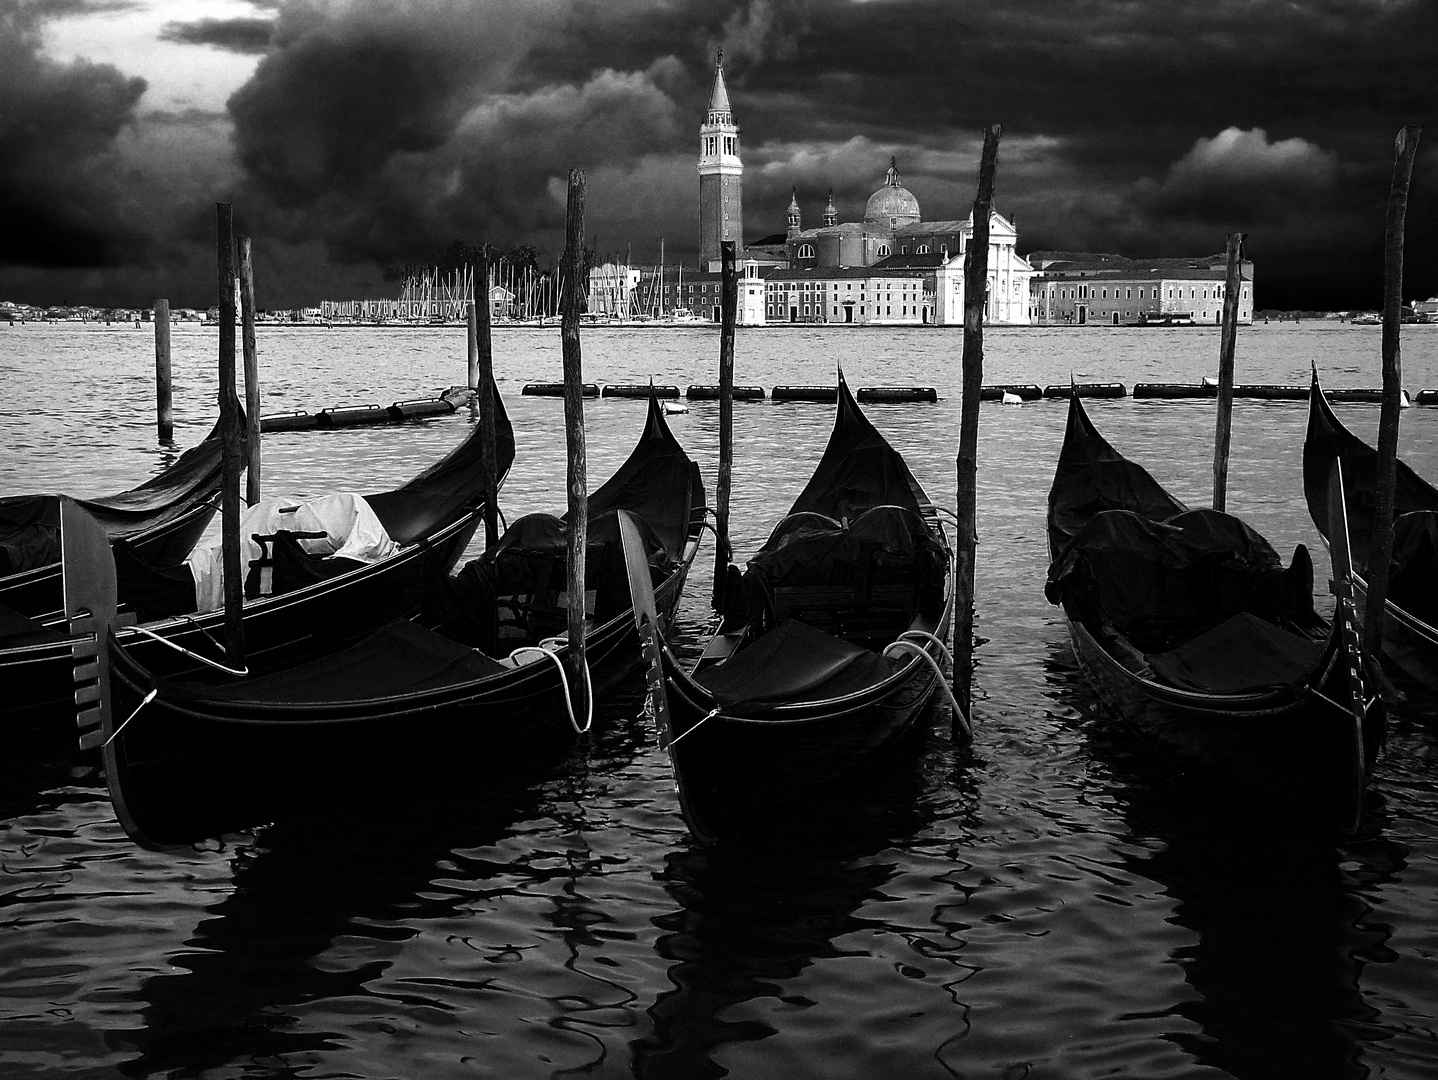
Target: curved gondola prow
(88, 568)
(449, 489)
(1354, 698)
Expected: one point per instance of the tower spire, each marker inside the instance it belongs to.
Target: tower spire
(831, 213)
(721, 172)
(794, 227)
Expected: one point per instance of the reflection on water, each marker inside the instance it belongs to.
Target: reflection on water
(1056, 901)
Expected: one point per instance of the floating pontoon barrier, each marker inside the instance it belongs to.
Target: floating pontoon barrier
(898, 393)
(637, 390)
(1026, 391)
(1362, 394)
(419, 408)
(822, 394)
(1093, 390)
(1173, 390)
(1272, 393)
(1428, 397)
(710, 392)
(352, 416)
(459, 396)
(290, 421)
(554, 389)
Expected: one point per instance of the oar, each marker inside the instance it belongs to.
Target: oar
(646, 621)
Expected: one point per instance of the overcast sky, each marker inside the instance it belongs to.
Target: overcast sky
(358, 136)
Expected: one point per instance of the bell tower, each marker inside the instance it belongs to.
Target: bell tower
(793, 216)
(721, 174)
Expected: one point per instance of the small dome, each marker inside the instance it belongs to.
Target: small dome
(893, 205)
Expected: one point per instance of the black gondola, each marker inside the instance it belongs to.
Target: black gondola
(800, 686)
(1190, 628)
(188, 759)
(314, 603)
(1410, 631)
(161, 520)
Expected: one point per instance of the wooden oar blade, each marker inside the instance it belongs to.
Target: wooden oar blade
(646, 621)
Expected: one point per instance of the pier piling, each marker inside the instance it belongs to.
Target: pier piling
(729, 301)
(976, 277)
(1380, 550)
(164, 402)
(252, 374)
(230, 440)
(575, 274)
(483, 371)
(1227, 336)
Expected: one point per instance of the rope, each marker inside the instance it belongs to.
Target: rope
(905, 643)
(187, 652)
(547, 648)
(144, 701)
(710, 715)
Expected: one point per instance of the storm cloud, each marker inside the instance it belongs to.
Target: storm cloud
(374, 134)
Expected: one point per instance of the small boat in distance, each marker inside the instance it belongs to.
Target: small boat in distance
(829, 650)
(1190, 628)
(1410, 632)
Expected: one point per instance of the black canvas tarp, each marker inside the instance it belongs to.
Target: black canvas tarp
(1241, 654)
(1189, 573)
(401, 658)
(1413, 573)
(794, 662)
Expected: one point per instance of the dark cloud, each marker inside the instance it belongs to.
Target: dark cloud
(373, 134)
(58, 122)
(233, 35)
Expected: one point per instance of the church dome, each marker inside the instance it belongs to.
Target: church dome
(893, 205)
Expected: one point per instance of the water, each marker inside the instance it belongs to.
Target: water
(1056, 901)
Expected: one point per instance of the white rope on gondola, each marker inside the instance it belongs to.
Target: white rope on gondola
(547, 648)
(192, 655)
(907, 643)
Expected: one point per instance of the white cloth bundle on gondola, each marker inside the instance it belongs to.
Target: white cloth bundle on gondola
(348, 525)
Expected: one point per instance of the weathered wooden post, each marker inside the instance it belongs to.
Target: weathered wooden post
(976, 282)
(484, 359)
(578, 516)
(230, 443)
(729, 299)
(1227, 336)
(164, 403)
(1380, 547)
(252, 374)
(472, 342)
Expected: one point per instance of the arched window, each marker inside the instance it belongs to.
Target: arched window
(806, 251)
(922, 249)
(883, 251)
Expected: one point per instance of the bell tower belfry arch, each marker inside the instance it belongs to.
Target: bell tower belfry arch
(721, 174)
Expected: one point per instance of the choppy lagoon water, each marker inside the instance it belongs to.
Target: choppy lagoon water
(1056, 901)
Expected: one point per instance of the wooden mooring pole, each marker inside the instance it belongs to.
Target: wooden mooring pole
(252, 374)
(1380, 548)
(729, 301)
(1228, 335)
(575, 273)
(164, 402)
(484, 373)
(231, 439)
(976, 281)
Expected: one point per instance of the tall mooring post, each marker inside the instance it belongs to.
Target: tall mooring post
(976, 281)
(1228, 336)
(1380, 548)
(252, 374)
(231, 440)
(483, 372)
(729, 304)
(575, 273)
(164, 403)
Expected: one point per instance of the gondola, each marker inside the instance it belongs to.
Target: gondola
(1410, 631)
(308, 605)
(803, 683)
(1190, 628)
(161, 520)
(194, 757)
